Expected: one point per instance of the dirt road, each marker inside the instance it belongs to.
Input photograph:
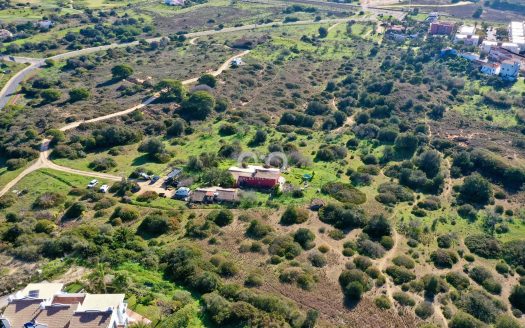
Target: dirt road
(43, 160)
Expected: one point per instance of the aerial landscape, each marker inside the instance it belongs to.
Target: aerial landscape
(262, 163)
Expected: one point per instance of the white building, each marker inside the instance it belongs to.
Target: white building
(491, 68)
(517, 34)
(511, 47)
(44, 305)
(45, 24)
(467, 35)
(510, 70)
(4, 34)
(486, 46)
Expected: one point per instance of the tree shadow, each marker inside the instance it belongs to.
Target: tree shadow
(108, 83)
(141, 160)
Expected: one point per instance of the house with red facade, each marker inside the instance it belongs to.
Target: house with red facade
(256, 177)
(441, 28)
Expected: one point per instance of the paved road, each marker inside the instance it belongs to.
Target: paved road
(45, 151)
(12, 85)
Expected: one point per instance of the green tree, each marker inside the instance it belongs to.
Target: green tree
(323, 32)
(121, 71)
(475, 190)
(78, 94)
(208, 80)
(198, 106)
(50, 95)
(171, 90)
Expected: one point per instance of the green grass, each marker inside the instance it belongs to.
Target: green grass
(46, 180)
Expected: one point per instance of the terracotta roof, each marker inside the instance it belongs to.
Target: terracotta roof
(55, 316)
(22, 311)
(90, 319)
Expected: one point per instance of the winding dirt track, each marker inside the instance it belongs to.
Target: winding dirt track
(43, 160)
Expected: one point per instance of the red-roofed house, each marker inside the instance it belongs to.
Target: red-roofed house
(256, 176)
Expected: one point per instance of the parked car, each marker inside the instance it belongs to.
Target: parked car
(182, 193)
(92, 183)
(155, 178)
(104, 188)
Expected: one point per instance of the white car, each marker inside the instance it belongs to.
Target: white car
(104, 188)
(92, 183)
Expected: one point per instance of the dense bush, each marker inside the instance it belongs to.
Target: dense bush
(475, 190)
(424, 310)
(392, 193)
(404, 299)
(221, 218)
(378, 226)
(103, 164)
(517, 297)
(404, 261)
(330, 153)
(484, 245)
(400, 275)
(49, 200)
(480, 305)
(443, 258)
(458, 280)
(343, 217)
(294, 215)
(305, 238)
(344, 192)
(126, 214)
(258, 230)
(354, 283)
(155, 224)
(285, 246)
(465, 320)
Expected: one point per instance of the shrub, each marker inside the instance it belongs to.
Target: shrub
(258, 230)
(480, 305)
(7, 200)
(49, 200)
(317, 259)
(343, 192)
(336, 234)
(127, 214)
(468, 212)
(227, 129)
(347, 217)
(424, 310)
(294, 215)
(370, 248)
(400, 275)
(15, 163)
(362, 262)
(147, 196)
(284, 246)
(254, 280)
(377, 227)
(492, 286)
(228, 269)
(103, 164)
(354, 283)
(404, 261)
(404, 299)
(44, 226)
(443, 258)
(506, 321)
(78, 94)
(483, 245)
(517, 297)
(475, 190)
(387, 242)
(382, 302)
(464, 320)
(305, 238)
(444, 241)
(221, 218)
(155, 224)
(76, 210)
(479, 274)
(458, 280)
